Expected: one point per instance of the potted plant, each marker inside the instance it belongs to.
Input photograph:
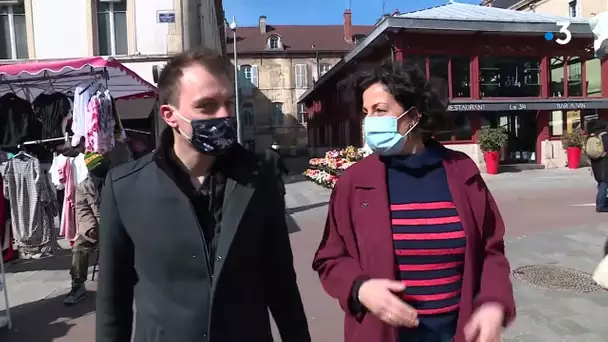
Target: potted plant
(491, 141)
(573, 143)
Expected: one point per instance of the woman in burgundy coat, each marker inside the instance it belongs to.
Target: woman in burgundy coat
(413, 245)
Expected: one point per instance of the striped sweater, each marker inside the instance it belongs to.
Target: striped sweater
(429, 242)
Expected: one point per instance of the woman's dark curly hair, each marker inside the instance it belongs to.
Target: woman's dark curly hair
(410, 87)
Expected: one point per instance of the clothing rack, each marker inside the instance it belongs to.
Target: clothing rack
(136, 131)
(35, 142)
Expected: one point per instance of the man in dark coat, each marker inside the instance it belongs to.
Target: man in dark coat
(274, 158)
(195, 232)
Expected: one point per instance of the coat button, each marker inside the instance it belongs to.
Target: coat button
(193, 256)
(219, 258)
(363, 204)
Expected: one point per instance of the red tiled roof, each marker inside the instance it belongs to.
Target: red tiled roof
(296, 38)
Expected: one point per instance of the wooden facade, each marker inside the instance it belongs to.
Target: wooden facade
(535, 88)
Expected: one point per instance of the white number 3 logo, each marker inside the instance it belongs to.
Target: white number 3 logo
(564, 25)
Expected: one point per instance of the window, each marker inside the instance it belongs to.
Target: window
(112, 28)
(302, 113)
(594, 77)
(277, 114)
(575, 76)
(249, 75)
(274, 42)
(247, 116)
(14, 34)
(509, 77)
(324, 68)
(461, 84)
(461, 130)
(556, 76)
(556, 123)
(358, 38)
(419, 60)
(574, 10)
(301, 71)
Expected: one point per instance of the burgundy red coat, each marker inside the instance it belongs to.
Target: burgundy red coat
(357, 242)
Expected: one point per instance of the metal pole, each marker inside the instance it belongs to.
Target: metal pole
(237, 111)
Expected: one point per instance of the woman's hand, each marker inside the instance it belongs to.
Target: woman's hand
(378, 296)
(486, 324)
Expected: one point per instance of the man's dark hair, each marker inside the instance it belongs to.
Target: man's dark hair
(408, 84)
(168, 81)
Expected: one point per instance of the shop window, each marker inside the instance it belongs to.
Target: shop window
(112, 28)
(509, 77)
(593, 77)
(556, 77)
(567, 121)
(461, 130)
(575, 76)
(13, 32)
(461, 84)
(418, 60)
(439, 67)
(556, 123)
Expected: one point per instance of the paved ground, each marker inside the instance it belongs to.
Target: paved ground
(549, 221)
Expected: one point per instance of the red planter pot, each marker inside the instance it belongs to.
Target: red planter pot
(491, 158)
(574, 157)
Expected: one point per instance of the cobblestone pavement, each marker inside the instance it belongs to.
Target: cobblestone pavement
(549, 221)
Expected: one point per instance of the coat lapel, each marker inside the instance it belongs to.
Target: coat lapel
(371, 193)
(239, 191)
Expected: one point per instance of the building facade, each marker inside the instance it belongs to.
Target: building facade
(276, 65)
(139, 33)
(498, 69)
(562, 8)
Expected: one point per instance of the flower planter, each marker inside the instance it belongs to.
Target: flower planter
(574, 157)
(491, 158)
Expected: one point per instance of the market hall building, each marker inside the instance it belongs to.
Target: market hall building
(499, 70)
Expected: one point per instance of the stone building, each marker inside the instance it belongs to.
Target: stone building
(277, 64)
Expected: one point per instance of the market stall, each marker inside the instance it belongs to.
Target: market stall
(325, 171)
(51, 112)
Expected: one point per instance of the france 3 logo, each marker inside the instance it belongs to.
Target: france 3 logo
(563, 36)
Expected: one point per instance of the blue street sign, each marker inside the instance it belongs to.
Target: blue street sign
(165, 17)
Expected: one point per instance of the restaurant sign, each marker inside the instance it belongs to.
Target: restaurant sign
(522, 106)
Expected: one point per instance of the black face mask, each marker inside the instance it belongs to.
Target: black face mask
(213, 136)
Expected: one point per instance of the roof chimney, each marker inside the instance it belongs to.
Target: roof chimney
(348, 25)
(262, 24)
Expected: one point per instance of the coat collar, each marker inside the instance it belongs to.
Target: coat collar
(241, 171)
(459, 167)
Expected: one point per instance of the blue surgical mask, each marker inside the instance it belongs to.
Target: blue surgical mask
(382, 134)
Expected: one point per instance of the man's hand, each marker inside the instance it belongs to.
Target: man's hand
(378, 296)
(486, 324)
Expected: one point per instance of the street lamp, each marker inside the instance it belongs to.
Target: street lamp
(237, 111)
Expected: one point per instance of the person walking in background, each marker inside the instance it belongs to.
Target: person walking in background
(275, 159)
(596, 149)
(88, 198)
(195, 232)
(413, 245)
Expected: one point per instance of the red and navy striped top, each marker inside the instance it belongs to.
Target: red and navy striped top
(428, 239)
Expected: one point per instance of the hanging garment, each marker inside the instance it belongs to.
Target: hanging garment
(33, 206)
(51, 110)
(6, 236)
(82, 96)
(16, 120)
(79, 169)
(92, 125)
(68, 213)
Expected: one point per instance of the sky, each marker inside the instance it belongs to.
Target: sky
(320, 12)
